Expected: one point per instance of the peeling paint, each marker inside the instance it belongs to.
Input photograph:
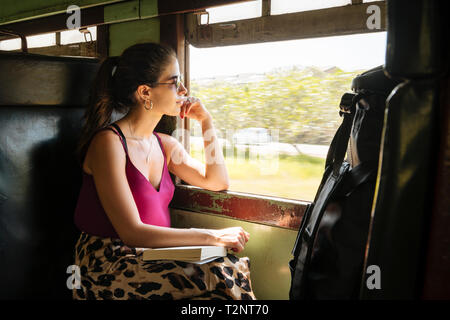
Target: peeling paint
(266, 210)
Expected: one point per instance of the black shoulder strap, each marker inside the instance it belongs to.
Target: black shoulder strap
(338, 146)
(121, 134)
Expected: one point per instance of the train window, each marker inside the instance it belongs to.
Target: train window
(289, 6)
(38, 41)
(275, 106)
(233, 12)
(42, 40)
(75, 36)
(79, 42)
(11, 44)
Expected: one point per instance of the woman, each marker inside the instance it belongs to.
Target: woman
(123, 202)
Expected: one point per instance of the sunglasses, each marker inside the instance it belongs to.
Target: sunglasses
(177, 83)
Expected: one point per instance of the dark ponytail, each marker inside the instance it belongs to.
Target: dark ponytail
(114, 86)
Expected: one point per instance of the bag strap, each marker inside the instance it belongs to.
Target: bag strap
(335, 155)
(296, 247)
(339, 145)
(364, 172)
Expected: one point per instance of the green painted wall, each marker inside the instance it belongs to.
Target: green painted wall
(120, 12)
(123, 35)
(142, 25)
(130, 10)
(269, 250)
(149, 8)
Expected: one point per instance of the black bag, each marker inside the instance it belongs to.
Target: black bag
(330, 246)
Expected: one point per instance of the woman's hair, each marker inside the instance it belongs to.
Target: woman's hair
(115, 85)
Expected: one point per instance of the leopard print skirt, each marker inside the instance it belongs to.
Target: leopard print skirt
(111, 270)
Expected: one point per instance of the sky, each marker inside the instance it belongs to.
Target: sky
(349, 53)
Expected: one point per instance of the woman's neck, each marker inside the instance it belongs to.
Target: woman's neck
(139, 126)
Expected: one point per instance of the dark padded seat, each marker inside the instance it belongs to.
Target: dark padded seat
(405, 190)
(42, 101)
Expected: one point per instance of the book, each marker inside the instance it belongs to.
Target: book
(192, 254)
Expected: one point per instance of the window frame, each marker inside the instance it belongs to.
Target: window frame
(335, 21)
(76, 49)
(270, 210)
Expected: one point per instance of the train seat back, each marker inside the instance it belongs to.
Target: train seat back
(42, 101)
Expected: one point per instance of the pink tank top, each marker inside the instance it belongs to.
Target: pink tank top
(152, 204)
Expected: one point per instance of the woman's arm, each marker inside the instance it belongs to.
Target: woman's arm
(212, 176)
(216, 170)
(106, 161)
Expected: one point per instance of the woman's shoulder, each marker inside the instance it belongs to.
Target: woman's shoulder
(105, 146)
(105, 138)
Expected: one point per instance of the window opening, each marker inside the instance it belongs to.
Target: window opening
(79, 42)
(289, 6)
(275, 106)
(232, 12)
(37, 41)
(77, 36)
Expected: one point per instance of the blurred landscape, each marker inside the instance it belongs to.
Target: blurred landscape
(275, 127)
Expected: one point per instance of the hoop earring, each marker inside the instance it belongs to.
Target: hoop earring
(151, 105)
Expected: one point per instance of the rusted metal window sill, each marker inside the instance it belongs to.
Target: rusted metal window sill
(280, 212)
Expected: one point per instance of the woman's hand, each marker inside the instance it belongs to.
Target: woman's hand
(193, 108)
(233, 238)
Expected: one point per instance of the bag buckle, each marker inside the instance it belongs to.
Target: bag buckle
(346, 103)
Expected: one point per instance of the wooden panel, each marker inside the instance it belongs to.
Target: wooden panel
(254, 208)
(309, 24)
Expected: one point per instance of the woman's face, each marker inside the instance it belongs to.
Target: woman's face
(165, 95)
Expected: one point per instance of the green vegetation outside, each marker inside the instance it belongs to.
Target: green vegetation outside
(302, 103)
(293, 177)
